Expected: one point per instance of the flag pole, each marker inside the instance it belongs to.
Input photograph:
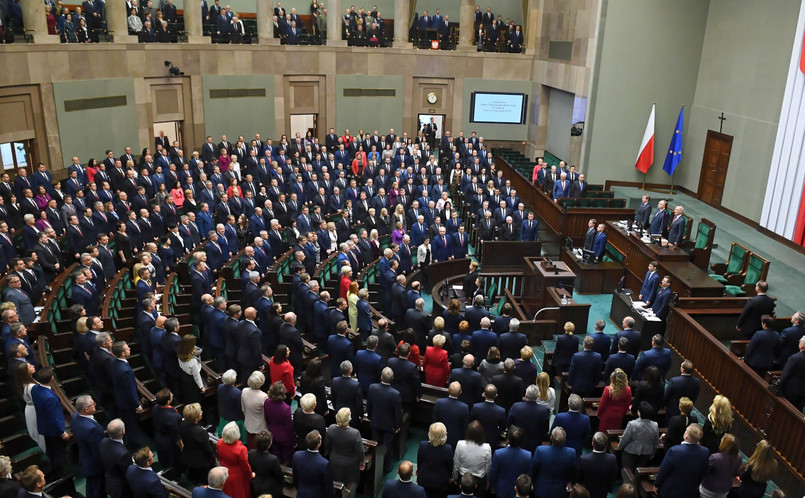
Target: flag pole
(644, 182)
(671, 191)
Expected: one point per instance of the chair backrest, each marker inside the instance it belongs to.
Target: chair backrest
(756, 270)
(704, 234)
(492, 290)
(617, 203)
(600, 203)
(501, 304)
(688, 226)
(613, 254)
(583, 203)
(737, 259)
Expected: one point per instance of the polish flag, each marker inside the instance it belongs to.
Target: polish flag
(645, 158)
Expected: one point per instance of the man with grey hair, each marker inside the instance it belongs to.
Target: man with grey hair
(513, 341)
(88, 435)
(474, 313)
(483, 339)
(116, 460)
(632, 335)
(216, 478)
(794, 377)
(292, 337)
(576, 424)
(384, 407)
(419, 320)
(510, 386)
(553, 466)
(469, 379)
(345, 392)
(601, 341)
(251, 291)
(532, 417)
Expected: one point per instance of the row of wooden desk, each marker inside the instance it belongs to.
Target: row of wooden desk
(687, 280)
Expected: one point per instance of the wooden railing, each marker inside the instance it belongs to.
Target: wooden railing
(772, 417)
(51, 302)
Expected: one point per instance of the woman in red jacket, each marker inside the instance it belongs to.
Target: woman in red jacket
(346, 280)
(437, 368)
(359, 163)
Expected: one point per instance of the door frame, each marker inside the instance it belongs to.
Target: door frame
(702, 172)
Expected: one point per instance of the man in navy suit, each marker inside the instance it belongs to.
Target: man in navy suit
(116, 460)
(621, 358)
(585, 369)
(643, 213)
(553, 466)
(676, 232)
(663, 299)
(406, 378)
(513, 341)
(384, 408)
(794, 377)
(650, 284)
(403, 487)
(367, 366)
(598, 471)
(216, 478)
(442, 246)
(469, 379)
(685, 385)
(529, 229)
(509, 463)
(757, 306)
(657, 356)
(491, 416)
(561, 188)
(760, 352)
(453, 413)
(631, 335)
(50, 420)
(659, 224)
(460, 243)
(200, 285)
(345, 392)
(601, 341)
(575, 423)
(339, 347)
(88, 435)
(124, 384)
(683, 467)
(600, 243)
(789, 339)
(250, 349)
(532, 418)
(142, 480)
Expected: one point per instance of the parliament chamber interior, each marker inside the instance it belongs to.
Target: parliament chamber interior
(402, 248)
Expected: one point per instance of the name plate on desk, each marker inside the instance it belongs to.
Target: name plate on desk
(548, 267)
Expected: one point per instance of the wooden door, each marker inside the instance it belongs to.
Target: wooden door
(715, 160)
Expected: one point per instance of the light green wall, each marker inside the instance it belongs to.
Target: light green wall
(238, 115)
(496, 131)
(560, 114)
(89, 133)
(368, 113)
(386, 7)
(649, 51)
(744, 64)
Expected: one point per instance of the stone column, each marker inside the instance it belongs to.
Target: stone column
(193, 24)
(33, 16)
(532, 25)
(334, 21)
(116, 22)
(466, 26)
(402, 22)
(265, 23)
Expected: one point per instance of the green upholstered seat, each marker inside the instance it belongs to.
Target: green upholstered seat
(600, 203)
(617, 203)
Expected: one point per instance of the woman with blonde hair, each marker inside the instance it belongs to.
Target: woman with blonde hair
(435, 364)
(614, 402)
(345, 448)
(760, 467)
(434, 461)
(234, 456)
(346, 280)
(718, 423)
(374, 241)
(566, 346)
(331, 242)
(352, 299)
(252, 400)
(547, 394)
(723, 468)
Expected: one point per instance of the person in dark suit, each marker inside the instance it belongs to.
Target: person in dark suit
(676, 232)
(664, 297)
(511, 342)
(575, 424)
(561, 188)
(312, 475)
(754, 309)
(32, 482)
(600, 243)
(142, 480)
(403, 487)
(491, 416)
(661, 219)
(50, 420)
(406, 378)
(292, 337)
(552, 467)
(21, 300)
(197, 454)
(650, 284)
(685, 385)
(269, 478)
(9, 487)
(620, 359)
(453, 413)
(418, 320)
(250, 349)
(470, 381)
(793, 377)
(368, 364)
(124, 384)
(585, 369)
(340, 348)
(578, 188)
(789, 339)
(761, 349)
(483, 339)
(683, 467)
(116, 460)
(435, 461)
(598, 471)
(88, 435)
(509, 463)
(531, 417)
(510, 386)
(384, 408)
(643, 212)
(657, 356)
(345, 392)
(216, 478)
(601, 341)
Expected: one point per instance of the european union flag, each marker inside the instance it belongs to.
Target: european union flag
(675, 149)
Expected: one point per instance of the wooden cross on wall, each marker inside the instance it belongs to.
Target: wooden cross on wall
(722, 119)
